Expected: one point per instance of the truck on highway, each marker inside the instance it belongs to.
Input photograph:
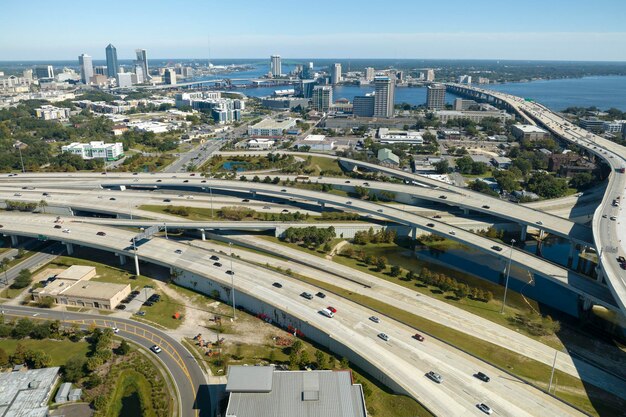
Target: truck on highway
(621, 170)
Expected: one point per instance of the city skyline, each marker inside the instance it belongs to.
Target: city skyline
(423, 31)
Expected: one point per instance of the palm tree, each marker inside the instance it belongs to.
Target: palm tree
(4, 263)
(42, 205)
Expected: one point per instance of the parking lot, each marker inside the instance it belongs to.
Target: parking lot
(135, 304)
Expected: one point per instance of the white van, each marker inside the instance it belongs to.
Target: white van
(327, 313)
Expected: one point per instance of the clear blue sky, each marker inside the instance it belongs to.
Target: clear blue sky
(531, 29)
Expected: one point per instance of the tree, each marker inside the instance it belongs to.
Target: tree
(23, 279)
(22, 328)
(297, 346)
(37, 359)
(344, 364)
(42, 205)
(381, 263)
(123, 348)
(73, 370)
(93, 381)
(442, 167)
(546, 185)
(582, 181)
(4, 358)
(41, 331)
(395, 271)
(304, 359)
(320, 359)
(46, 302)
(100, 402)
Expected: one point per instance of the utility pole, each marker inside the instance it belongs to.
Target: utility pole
(21, 159)
(552, 374)
(508, 273)
(232, 278)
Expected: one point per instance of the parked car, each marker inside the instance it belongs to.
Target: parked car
(121, 307)
(482, 376)
(148, 303)
(306, 295)
(435, 377)
(375, 319)
(140, 313)
(384, 336)
(277, 285)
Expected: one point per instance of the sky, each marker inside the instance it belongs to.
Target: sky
(413, 29)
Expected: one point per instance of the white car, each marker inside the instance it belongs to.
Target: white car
(384, 336)
(66, 230)
(484, 408)
(116, 330)
(156, 349)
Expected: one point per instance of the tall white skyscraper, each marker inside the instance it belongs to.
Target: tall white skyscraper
(142, 60)
(430, 75)
(86, 68)
(276, 66)
(384, 96)
(369, 74)
(335, 77)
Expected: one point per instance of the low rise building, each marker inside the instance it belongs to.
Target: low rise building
(285, 103)
(318, 143)
(387, 157)
(386, 135)
(501, 162)
(26, 392)
(271, 127)
(363, 106)
(568, 164)
(261, 391)
(481, 159)
(592, 124)
(48, 112)
(260, 143)
(445, 116)
(96, 150)
(529, 132)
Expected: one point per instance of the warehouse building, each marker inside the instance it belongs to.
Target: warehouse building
(26, 393)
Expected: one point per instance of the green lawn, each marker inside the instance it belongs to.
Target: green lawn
(129, 383)
(59, 350)
(319, 163)
(317, 251)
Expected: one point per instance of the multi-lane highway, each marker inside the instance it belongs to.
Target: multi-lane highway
(402, 359)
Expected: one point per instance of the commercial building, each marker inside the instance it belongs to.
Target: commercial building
(305, 88)
(44, 71)
(463, 104)
(26, 392)
(271, 128)
(124, 79)
(387, 157)
(363, 106)
(568, 164)
(465, 79)
(384, 98)
(529, 132)
(100, 70)
(112, 66)
(260, 143)
(436, 97)
(481, 159)
(276, 66)
(96, 150)
(386, 135)
(335, 77)
(369, 74)
(284, 103)
(322, 97)
(86, 68)
(261, 391)
(445, 116)
(614, 127)
(170, 76)
(592, 124)
(318, 143)
(73, 287)
(48, 112)
(223, 110)
(142, 61)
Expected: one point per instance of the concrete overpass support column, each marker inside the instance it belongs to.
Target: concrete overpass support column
(523, 233)
(414, 237)
(203, 234)
(136, 264)
(599, 274)
(587, 304)
(122, 258)
(70, 248)
(14, 240)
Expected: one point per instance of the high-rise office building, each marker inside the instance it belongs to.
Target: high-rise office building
(44, 71)
(276, 66)
(306, 88)
(124, 79)
(86, 68)
(142, 60)
(384, 88)
(369, 74)
(322, 97)
(170, 76)
(112, 66)
(436, 97)
(335, 77)
(430, 75)
(363, 106)
(100, 70)
(139, 74)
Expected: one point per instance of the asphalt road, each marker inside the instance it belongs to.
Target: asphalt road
(33, 262)
(186, 373)
(202, 152)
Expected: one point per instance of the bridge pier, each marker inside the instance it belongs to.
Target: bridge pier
(122, 258)
(587, 304)
(414, 237)
(136, 264)
(523, 233)
(203, 234)
(465, 211)
(322, 204)
(70, 248)
(599, 274)
(14, 240)
(572, 251)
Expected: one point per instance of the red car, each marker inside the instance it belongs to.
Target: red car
(333, 309)
(418, 337)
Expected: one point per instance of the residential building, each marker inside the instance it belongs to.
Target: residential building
(223, 110)
(501, 162)
(465, 79)
(44, 71)
(445, 116)
(614, 127)
(369, 74)
(363, 106)
(529, 132)
(142, 61)
(96, 149)
(139, 75)
(170, 76)
(568, 164)
(384, 98)
(112, 66)
(386, 135)
(387, 157)
(436, 97)
(430, 75)
(276, 66)
(27, 392)
(335, 77)
(322, 97)
(86, 68)
(482, 159)
(271, 128)
(124, 79)
(48, 112)
(262, 391)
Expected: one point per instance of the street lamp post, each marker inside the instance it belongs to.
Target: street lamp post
(165, 227)
(232, 278)
(552, 374)
(508, 273)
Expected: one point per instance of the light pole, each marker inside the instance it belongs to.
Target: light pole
(552, 374)
(165, 227)
(21, 159)
(136, 257)
(130, 209)
(232, 277)
(508, 273)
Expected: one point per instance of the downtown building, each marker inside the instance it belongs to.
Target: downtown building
(96, 150)
(322, 98)
(44, 72)
(276, 66)
(86, 68)
(335, 77)
(223, 110)
(384, 97)
(436, 97)
(112, 66)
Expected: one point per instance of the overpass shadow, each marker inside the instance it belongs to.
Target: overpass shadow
(211, 399)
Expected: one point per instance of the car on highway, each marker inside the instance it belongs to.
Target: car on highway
(497, 248)
(283, 191)
(349, 203)
(333, 309)
(484, 408)
(230, 272)
(266, 207)
(612, 218)
(437, 216)
(156, 349)
(57, 226)
(203, 181)
(443, 197)
(430, 224)
(285, 211)
(167, 200)
(418, 337)
(434, 376)
(347, 182)
(540, 222)
(380, 210)
(452, 232)
(245, 200)
(367, 184)
(214, 258)
(320, 295)
(178, 251)
(45, 194)
(375, 319)
(306, 295)
(604, 216)
(159, 180)
(17, 194)
(112, 199)
(277, 285)
(66, 230)
(115, 330)
(486, 207)
(326, 312)
(101, 234)
(384, 336)
(482, 376)
(621, 259)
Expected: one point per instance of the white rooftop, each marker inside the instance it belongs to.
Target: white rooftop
(315, 138)
(530, 129)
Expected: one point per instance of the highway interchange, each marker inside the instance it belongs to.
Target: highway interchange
(401, 358)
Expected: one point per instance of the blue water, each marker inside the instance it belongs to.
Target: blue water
(239, 166)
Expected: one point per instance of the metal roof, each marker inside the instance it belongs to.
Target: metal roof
(25, 393)
(293, 393)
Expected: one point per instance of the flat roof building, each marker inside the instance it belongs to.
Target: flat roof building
(445, 116)
(48, 112)
(322, 97)
(529, 132)
(386, 135)
(271, 127)
(261, 391)
(363, 106)
(436, 97)
(384, 97)
(26, 393)
(97, 149)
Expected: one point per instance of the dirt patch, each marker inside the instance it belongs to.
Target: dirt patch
(46, 273)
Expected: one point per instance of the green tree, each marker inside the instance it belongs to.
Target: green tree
(4, 358)
(320, 359)
(381, 263)
(22, 328)
(123, 348)
(304, 359)
(37, 359)
(297, 346)
(395, 271)
(23, 279)
(73, 370)
(42, 205)
(442, 167)
(345, 363)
